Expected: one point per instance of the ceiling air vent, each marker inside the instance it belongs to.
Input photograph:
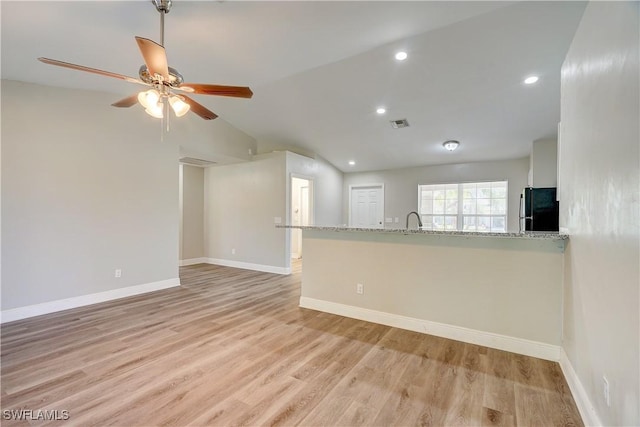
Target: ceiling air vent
(397, 124)
(196, 162)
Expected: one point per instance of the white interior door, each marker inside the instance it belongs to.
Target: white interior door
(301, 211)
(367, 207)
(304, 214)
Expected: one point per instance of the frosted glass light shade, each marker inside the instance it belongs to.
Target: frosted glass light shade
(149, 98)
(155, 110)
(179, 106)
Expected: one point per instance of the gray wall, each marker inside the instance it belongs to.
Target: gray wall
(327, 188)
(544, 163)
(327, 191)
(242, 200)
(86, 189)
(191, 212)
(599, 200)
(213, 140)
(401, 185)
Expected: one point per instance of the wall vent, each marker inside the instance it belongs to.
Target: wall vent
(196, 162)
(397, 124)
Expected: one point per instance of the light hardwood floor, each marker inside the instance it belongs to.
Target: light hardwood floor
(232, 347)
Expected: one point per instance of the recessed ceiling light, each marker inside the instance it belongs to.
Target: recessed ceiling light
(531, 80)
(401, 56)
(381, 110)
(352, 162)
(450, 145)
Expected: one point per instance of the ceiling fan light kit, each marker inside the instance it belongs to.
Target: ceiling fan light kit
(163, 80)
(180, 108)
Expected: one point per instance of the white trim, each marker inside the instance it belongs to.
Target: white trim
(458, 333)
(289, 217)
(193, 261)
(312, 194)
(249, 266)
(80, 301)
(586, 409)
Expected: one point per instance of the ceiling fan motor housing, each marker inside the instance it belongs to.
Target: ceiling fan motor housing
(162, 5)
(175, 78)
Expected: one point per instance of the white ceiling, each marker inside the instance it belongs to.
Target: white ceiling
(319, 69)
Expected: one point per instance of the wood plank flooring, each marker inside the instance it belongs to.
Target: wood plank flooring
(232, 348)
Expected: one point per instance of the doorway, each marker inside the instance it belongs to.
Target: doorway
(301, 211)
(366, 206)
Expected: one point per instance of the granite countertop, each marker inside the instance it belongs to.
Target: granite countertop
(542, 235)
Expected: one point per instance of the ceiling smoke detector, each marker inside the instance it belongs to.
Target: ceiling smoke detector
(397, 124)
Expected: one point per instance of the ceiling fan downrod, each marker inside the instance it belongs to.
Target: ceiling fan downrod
(162, 6)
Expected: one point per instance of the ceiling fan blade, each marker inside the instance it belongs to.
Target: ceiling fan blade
(126, 102)
(154, 56)
(203, 89)
(199, 109)
(90, 70)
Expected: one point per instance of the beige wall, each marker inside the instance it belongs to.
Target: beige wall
(401, 185)
(510, 287)
(86, 189)
(191, 212)
(599, 202)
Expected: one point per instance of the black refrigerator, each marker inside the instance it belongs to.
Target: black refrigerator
(539, 210)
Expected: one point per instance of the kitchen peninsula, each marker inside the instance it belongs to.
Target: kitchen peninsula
(501, 290)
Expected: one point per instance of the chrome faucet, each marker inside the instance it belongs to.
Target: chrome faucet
(417, 216)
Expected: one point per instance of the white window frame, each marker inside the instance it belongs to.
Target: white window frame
(460, 214)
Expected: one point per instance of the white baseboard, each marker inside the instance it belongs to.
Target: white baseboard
(249, 266)
(193, 261)
(587, 410)
(458, 333)
(74, 302)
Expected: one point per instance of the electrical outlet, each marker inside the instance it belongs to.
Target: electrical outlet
(360, 288)
(233, 251)
(605, 390)
(118, 273)
(396, 220)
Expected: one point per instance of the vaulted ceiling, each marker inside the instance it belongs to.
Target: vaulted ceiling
(319, 70)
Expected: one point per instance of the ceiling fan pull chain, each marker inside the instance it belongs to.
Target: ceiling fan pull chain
(167, 113)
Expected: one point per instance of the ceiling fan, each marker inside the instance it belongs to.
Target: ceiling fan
(163, 80)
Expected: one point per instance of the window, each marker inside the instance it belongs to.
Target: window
(471, 206)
